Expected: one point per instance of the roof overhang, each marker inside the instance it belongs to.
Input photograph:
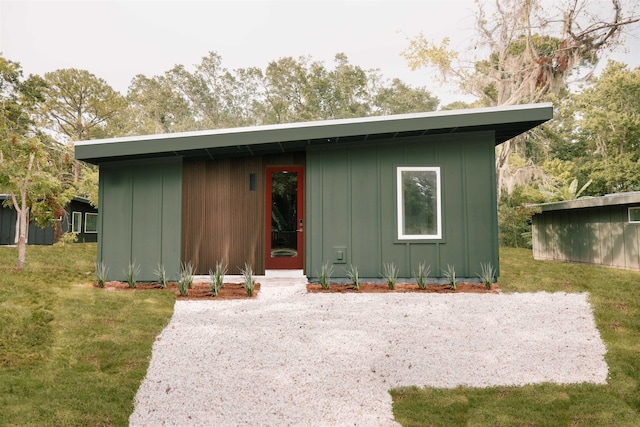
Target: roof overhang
(507, 122)
(632, 198)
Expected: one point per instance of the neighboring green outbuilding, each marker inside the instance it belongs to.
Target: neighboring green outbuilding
(404, 189)
(597, 230)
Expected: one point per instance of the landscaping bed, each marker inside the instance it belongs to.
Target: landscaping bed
(404, 287)
(198, 290)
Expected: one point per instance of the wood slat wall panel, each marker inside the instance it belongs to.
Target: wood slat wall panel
(222, 218)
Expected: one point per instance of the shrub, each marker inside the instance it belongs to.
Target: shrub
(422, 274)
(390, 274)
(450, 274)
(216, 278)
(352, 274)
(249, 281)
(102, 272)
(487, 274)
(131, 273)
(326, 270)
(186, 278)
(161, 274)
(68, 237)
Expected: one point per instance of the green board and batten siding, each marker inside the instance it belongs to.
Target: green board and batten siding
(589, 231)
(352, 205)
(140, 216)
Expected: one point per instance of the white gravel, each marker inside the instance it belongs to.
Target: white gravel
(297, 359)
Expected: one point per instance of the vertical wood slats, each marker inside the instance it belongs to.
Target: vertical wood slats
(222, 219)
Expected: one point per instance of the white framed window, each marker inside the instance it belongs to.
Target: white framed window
(419, 202)
(76, 222)
(634, 215)
(90, 222)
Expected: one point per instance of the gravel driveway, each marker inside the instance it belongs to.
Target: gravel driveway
(291, 358)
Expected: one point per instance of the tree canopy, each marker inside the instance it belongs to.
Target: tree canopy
(529, 52)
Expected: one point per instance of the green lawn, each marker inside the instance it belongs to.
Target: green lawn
(615, 296)
(71, 354)
(74, 355)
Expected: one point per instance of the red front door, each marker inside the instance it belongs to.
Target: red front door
(284, 222)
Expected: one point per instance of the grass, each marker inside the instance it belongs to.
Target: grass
(71, 354)
(615, 297)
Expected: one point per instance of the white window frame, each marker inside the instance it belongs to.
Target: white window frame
(636, 208)
(400, 203)
(86, 215)
(75, 215)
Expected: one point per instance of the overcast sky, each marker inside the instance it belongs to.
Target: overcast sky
(116, 40)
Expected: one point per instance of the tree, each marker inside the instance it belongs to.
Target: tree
(609, 112)
(399, 98)
(32, 176)
(217, 97)
(285, 90)
(598, 133)
(532, 50)
(154, 107)
(30, 166)
(514, 216)
(78, 104)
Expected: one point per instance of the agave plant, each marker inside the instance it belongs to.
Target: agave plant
(131, 273)
(422, 274)
(216, 278)
(326, 270)
(161, 274)
(352, 274)
(390, 274)
(101, 273)
(249, 282)
(186, 279)
(450, 274)
(487, 274)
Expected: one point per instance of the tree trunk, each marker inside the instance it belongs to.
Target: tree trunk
(502, 166)
(17, 234)
(23, 215)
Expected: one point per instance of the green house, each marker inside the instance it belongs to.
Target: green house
(404, 189)
(597, 230)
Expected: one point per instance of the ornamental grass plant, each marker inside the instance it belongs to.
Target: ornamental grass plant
(326, 270)
(422, 274)
(352, 274)
(216, 278)
(390, 274)
(249, 281)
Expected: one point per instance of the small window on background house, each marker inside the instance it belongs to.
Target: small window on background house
(419, 203)
(634, 215)
(90, 222)
(76, 222)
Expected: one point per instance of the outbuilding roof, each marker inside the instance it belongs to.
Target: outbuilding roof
(507, 122)
(593, 202)
(80, 199)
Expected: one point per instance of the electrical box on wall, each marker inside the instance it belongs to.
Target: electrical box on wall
(339, 254)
